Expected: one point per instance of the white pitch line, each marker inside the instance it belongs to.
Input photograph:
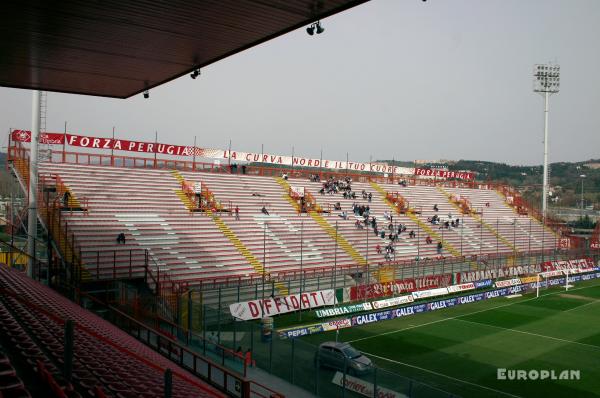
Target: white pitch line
(443, 375)
(460, 316)
(530, 333)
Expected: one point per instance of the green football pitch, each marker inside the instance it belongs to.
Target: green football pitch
(460, 349)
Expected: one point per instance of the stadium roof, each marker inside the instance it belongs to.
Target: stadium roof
(118, 48)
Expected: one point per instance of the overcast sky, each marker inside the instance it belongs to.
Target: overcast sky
(399, 79)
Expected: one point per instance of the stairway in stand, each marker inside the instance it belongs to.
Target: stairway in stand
(330, 230)
(477, 218)
(235, 241)
(434, 235)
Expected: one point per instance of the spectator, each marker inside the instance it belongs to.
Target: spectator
(428, 240)
(243, 172)
(66, 198)
(284, 176)
(435, 208)
(378, 249)
(411, 234)
(264, 210)
(237, 213)
(213, 339)
(370, 196)
(439, 248)
(248, 357)
(121, 238)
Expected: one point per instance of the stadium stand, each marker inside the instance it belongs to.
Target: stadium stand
(147, 206)
(105, 357)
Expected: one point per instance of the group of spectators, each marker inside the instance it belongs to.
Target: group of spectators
(314, 178)
(367, 196)
(332, 186)
(233, 167)
(389, 251)
(360, 210)
(450, 222)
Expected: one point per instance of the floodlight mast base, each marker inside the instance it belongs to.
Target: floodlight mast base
(33, 166)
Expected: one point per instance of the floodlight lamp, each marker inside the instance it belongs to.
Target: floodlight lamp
(146, 94)
(195, 73)
(310, 30)
(320, 29)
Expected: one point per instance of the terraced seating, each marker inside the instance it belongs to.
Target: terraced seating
(104, 356)
(286, 237)
(11, 385)
(147, 205)
(143, 205)
(522, 231)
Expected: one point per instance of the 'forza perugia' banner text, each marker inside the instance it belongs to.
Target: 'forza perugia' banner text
(463, 175)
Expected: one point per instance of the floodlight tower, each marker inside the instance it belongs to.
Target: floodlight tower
(546, 81)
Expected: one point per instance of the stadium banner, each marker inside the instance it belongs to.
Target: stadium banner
(431, 306)
(384, 289)
(392, 302)
(406, 311)
(210, 153)
(292, 333)
(581, 263)
(343, 310)
(364, 319)
(508, 282)
(483, 283)
(336, 324)
(45, 138)
(595, 244)
(528, 279)
(439, 173)
(461, 288)
(362, 387)
(549, 274)
(256, 309)
(497, 273)
(420, 294)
